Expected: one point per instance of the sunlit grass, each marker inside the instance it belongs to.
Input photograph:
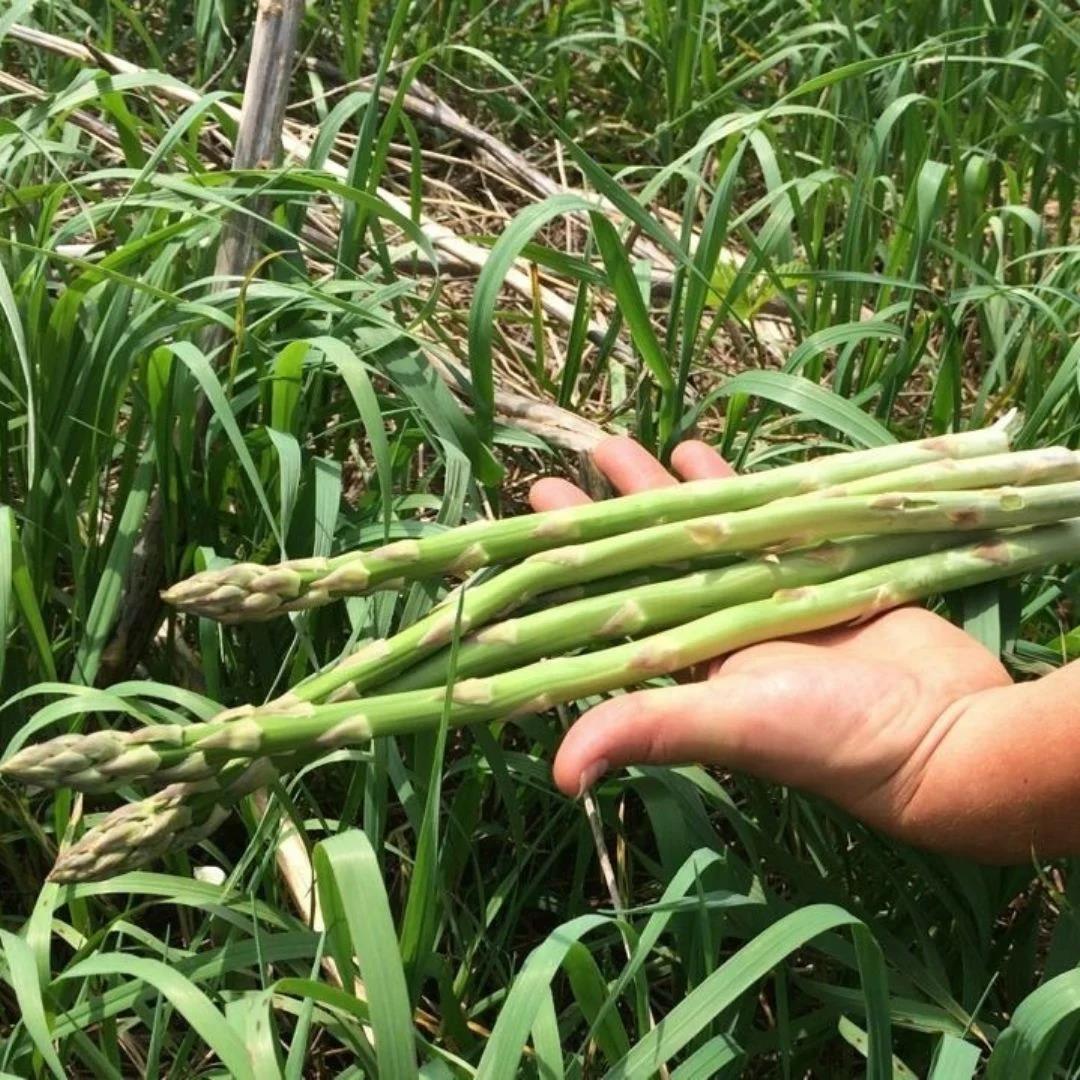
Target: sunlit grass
(835, 226)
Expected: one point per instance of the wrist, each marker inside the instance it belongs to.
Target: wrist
(1002, 783)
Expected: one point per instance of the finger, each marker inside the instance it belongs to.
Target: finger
(554, 493)
(629, 467)
(857, 641)
(783, 726)
(903, 630)
(695, 460)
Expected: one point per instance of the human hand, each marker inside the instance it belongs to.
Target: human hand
(905, 721)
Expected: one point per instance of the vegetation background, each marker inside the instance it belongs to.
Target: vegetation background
(822, 225)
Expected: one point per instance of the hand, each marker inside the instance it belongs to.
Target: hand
(905, 721)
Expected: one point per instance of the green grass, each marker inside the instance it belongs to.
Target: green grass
(898, 186)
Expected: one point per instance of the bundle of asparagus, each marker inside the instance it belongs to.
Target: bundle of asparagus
(814, 545)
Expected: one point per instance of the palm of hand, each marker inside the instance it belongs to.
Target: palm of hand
(852, 714)
(855, 714)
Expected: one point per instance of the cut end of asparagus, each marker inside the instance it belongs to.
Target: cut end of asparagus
(1009, 423)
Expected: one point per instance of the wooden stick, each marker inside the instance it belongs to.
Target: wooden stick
(258, 140)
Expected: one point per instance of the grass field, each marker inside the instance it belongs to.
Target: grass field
(819, 226)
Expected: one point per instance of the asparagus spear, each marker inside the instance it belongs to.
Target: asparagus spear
(789, 522)
(177, 817)
(247, 591)
(653, 606)
(635, 579)
(185, 813)
(170, 752)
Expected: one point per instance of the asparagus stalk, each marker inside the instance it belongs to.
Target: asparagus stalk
(635, 579)
(791, 523)
(248, 591)
(177, 817)
(1021, 468)
(654, 606)
(168, 821)
(170, 752)
(185, 813)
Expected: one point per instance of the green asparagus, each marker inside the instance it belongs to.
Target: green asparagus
(139, 833)
(248, 591)
(172, 819)
(649, 607)
(787, 523)
(166, 753)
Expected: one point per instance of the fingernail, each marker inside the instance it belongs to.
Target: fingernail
(590, 774)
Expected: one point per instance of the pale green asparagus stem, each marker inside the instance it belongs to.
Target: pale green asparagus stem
(647, 608)
(139, 833)
(192, 751)
(791, 523)
(248, 591)
(1021, 468)
(1024, 468)
(635, 579)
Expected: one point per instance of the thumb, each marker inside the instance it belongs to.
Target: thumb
(767, 725)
